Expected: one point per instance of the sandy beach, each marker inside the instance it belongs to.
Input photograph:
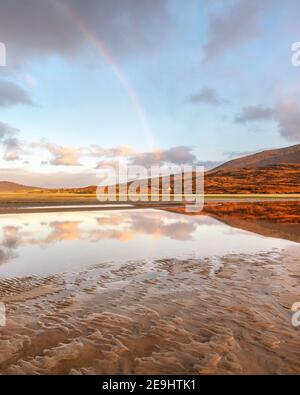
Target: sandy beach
(230, 315)
(222, 306)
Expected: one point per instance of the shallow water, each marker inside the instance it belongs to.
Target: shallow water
(145, 292)
(50, 243)
(83, 206)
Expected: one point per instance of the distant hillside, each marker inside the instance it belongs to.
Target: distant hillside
(273, 179)
(272, 171)
(6, 186)
(281, 156)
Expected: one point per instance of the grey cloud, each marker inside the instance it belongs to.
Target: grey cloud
(285, 114)
(207, 96)
(6, 130)
(255, 113)
(10, 143)
(288, 118)
(176, 156)
(38, 28)
(12, 94)
(237, 26)
(12, 149)
(71, 156)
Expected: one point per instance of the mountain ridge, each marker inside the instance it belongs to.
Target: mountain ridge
(280, 156)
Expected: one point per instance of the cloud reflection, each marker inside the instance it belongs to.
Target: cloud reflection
(121, 226)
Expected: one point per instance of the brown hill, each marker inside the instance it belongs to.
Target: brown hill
(276, 179)
(6, 186)
(289, 155)
(272, 171)
(268, 172)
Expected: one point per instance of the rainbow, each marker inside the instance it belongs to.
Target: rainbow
(119, 73)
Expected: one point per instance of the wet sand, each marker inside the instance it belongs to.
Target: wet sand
(223, 314)
(69, 206)
(36, 204)
(228, 315)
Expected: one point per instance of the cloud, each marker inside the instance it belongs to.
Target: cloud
(113, 157)
(6, 131)
(12, 94)
(173, 156)
(72, 156)
(13, 149)
(98, 151)
(255, 113)
(11, 144)
(177, 156)
(288, 118)
(286, 115)
(238, 26)
(40, 28)
(64, 156)
(207, 96)
(61, 155)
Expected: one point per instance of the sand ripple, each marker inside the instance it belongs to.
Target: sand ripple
(225, 315)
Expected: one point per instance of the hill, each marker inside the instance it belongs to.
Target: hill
(6, 186)
(272, 171)
(281, 156)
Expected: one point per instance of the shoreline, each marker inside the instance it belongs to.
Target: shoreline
(64, 204)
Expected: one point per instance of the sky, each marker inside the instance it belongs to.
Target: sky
(95, 82)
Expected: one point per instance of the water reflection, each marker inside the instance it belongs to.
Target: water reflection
(119, 307)
(68, 241)
(271, 219)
